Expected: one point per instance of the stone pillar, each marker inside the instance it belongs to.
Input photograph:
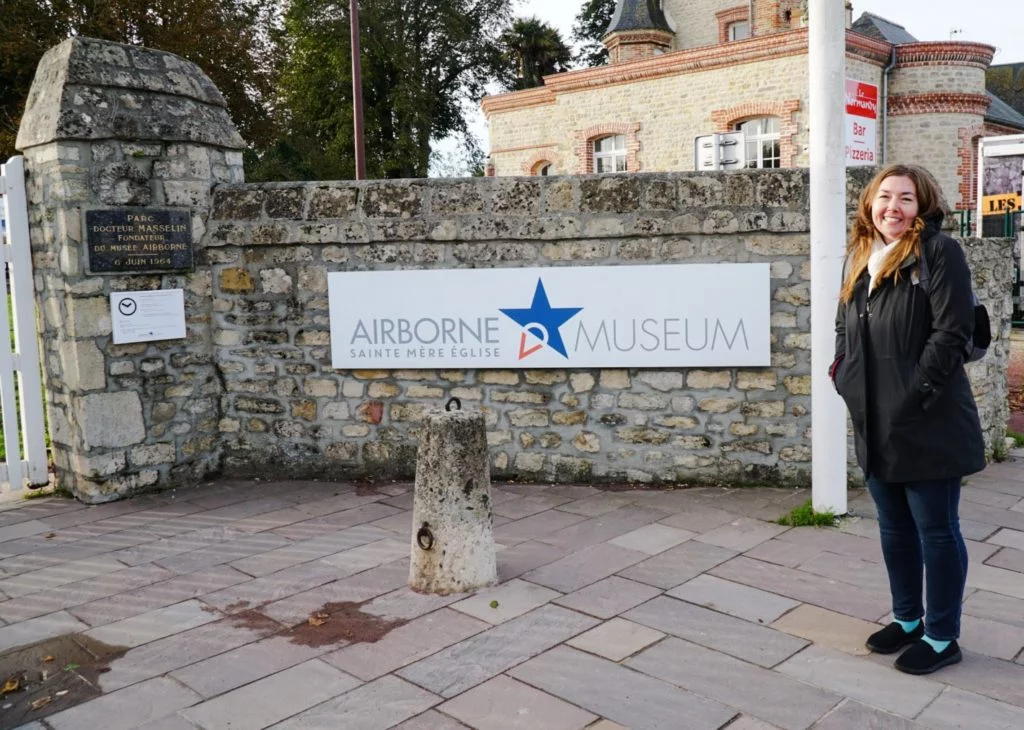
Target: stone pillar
(452, 541)
(116, 126)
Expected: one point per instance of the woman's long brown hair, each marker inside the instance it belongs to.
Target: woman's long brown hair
(863, 232)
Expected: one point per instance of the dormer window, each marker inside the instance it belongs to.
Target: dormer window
(733, 23)
(738, 31)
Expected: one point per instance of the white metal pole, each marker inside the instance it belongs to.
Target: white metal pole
(827, 60)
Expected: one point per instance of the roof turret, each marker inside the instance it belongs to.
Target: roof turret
(632, 15)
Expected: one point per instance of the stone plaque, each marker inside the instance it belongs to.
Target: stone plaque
(139, 240)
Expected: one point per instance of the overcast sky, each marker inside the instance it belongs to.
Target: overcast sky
(999, 23)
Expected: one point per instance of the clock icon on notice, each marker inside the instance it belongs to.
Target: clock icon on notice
(127, 306)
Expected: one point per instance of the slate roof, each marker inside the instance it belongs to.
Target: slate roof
(882, 29)
(638, 15)
(1000, 112)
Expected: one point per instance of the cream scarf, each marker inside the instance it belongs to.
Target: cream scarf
(879, 250)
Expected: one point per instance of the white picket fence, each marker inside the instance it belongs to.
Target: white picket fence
(20, 389)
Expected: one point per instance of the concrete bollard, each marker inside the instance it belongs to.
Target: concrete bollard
(452, 541)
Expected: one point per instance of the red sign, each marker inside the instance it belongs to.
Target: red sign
(861, 99)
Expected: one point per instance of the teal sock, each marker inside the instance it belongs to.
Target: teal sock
(908, 626)
(938, 646)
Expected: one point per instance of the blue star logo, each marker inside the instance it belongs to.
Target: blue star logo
(542, 321)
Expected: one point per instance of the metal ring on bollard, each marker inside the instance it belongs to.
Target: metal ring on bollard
(453, 401)
(425, 538)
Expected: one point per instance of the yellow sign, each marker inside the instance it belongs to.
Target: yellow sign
(996, 204)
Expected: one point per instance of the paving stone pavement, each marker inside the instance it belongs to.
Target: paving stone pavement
(674, 609)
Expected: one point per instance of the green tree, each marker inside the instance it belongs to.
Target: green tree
(533, 49)
(589, 27)
(231, 40)
(37, 26)
(423, 62)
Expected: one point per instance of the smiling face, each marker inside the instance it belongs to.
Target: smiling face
(894, 207)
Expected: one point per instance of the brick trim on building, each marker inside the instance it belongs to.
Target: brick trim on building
(868, 48)
(583, 145)
(967, 164)
(728, 17)
(752, 50)
(994, 130)
(939, 102)
(505, 150)
(725, 120)
(945, 53)
(626, 46)
(518, 100)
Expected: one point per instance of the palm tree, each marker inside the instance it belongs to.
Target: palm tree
(532, 49)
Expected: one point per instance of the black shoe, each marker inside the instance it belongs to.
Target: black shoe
(893, 638)
(921, 658)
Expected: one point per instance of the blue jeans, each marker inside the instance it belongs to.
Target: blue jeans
(920, 529)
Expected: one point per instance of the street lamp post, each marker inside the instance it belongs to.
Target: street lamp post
(357, 90)
(827, 61)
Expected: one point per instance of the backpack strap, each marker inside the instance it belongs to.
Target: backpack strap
(923, 274)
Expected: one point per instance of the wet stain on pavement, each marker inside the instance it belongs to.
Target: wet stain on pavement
(337, 622)
(45, 678)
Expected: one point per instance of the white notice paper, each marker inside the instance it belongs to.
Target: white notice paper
(145, 316)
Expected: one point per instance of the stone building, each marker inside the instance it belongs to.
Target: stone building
(680, 69)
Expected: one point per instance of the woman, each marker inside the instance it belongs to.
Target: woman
(899, 367)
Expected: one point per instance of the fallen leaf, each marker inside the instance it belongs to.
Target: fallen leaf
(11, 685)
(50, 535)
(318, 619)
(69, 667)
(41, 702)
(47, 658)
(494, 604)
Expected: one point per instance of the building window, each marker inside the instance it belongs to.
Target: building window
(610, 154)
(607, 148)
(763, 141)
(738, 31)
(541, 167)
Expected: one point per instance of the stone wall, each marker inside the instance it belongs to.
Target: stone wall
(694, 21)
(251, 390)
(932, 141)
(992, 263)
(271, 247)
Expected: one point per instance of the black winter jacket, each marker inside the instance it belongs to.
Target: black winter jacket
(899, 367)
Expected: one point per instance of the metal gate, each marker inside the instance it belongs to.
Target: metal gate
(21, 396)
